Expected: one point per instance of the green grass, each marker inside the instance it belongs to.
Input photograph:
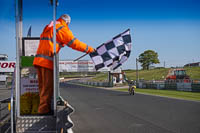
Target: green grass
(160, 74)
(100, 77)
(169, 93)
(193, 72)
(154, 74)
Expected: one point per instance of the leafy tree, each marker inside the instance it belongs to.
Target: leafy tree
(148, 58)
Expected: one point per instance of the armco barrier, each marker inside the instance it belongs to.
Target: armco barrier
(170, 86)
(98, 84)
(181, 86)
(160, 86)
(195, 87)
(151, 85)
(184, 86)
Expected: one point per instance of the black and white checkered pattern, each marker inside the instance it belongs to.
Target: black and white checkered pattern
(113, 53)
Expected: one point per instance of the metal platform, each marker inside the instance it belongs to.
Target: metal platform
(43, 124)
(46, 124)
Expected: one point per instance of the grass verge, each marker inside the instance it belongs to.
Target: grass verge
(195, 96)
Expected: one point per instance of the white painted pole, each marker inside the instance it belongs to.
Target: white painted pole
(18, 53)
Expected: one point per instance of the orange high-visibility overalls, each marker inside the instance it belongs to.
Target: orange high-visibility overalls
(43, 60)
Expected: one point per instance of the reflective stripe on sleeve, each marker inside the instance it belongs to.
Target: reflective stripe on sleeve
(70, 43)
(59, 28)
(86, 49)
(51, 39)
(44, 56)
(46, 38)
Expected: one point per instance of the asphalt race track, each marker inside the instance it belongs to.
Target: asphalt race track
(107, 111)
(4, 93)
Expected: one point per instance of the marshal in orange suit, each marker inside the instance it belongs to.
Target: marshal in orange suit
(43, 60)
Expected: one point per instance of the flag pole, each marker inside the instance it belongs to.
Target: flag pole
(80, 57)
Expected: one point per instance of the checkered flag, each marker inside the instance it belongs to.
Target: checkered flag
(113, 53)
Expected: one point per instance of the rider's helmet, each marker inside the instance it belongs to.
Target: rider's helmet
(132, 81)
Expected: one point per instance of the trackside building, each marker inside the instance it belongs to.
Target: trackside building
(196, 64)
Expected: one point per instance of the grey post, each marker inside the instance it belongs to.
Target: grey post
(137, 75)
(55, 78)
(18, 20)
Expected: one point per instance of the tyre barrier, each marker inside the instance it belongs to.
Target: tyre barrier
(98, 84)
(180, 86)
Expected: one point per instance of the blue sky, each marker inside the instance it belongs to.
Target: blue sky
(169, 27)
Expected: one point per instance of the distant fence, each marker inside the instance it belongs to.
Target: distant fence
(99, 84)
(92, 83)
(190, 85)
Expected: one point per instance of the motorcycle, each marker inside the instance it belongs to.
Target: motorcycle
(132, 88)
